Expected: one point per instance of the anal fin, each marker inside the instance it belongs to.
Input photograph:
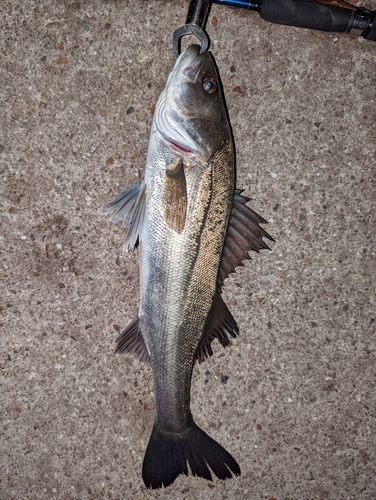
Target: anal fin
(219, 326)
(131, 341)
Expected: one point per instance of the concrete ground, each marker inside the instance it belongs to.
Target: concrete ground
(293, 399)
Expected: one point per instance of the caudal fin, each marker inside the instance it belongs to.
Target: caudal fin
(167, 456)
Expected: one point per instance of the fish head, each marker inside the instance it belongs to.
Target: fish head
(190, 115)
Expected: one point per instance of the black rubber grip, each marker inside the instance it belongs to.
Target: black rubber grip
(370, 32)
(307, 14)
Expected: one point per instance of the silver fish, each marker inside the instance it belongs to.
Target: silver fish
(192, 228)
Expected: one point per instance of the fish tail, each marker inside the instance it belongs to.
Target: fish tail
(168, 454)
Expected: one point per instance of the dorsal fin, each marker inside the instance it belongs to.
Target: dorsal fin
(131, 341)
(129, 206)
(243, 234)
(220, 325)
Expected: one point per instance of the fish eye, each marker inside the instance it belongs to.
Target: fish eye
(210, 85)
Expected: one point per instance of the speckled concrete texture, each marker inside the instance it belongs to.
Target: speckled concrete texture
(293, 398)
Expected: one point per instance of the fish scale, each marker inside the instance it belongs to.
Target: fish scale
(193, 259)
(175, 347)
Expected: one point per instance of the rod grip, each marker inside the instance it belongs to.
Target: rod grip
(308, 14)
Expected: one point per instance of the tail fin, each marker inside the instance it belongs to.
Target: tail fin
(167, 455)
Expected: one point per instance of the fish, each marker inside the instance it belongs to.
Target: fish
(192, 228)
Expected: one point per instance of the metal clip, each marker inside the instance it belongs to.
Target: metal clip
(198, 11)
(190, 29)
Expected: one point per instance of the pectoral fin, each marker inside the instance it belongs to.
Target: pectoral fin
(175, 197)
(244, 233)
(129, 206)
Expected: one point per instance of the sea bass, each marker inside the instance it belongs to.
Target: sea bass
(192, 228)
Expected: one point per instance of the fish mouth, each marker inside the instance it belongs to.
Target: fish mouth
(177, 147)
(195, 63)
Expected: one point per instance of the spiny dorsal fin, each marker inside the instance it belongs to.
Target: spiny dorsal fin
(131, 341)
(129, 206)
(243, 234)
(219, 325)
(175, 196)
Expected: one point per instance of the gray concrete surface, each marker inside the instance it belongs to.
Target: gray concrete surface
(78, 83)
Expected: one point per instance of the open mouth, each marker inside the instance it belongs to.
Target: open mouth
(175, 146)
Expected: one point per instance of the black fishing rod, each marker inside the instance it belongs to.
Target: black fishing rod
(324, 15)
(335, 16)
